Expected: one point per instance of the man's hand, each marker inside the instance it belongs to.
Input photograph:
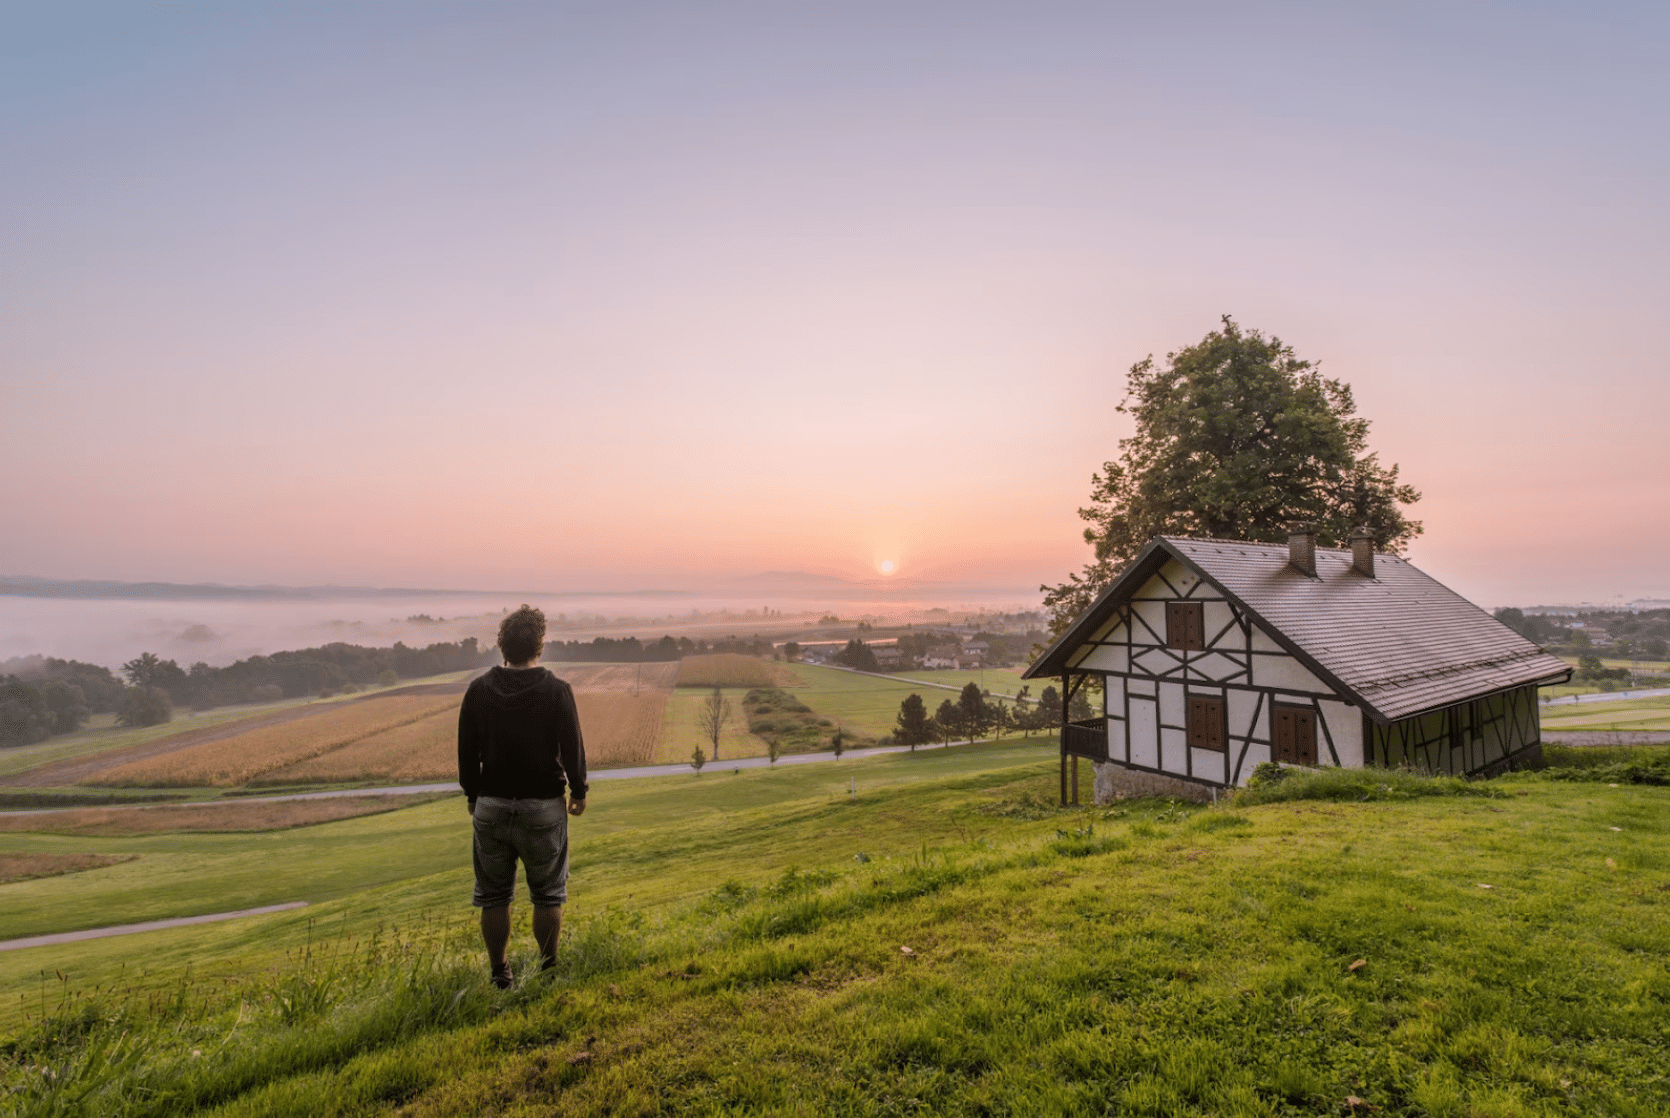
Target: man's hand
(576, 807)
(470, 803)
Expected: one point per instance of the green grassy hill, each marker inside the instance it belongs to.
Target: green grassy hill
(943, 942)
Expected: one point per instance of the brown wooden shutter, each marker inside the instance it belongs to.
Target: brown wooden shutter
(1293, 740)
(1185, 625)
(1206, 722)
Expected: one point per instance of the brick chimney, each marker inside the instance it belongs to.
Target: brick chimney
(1301, 548)
(1362, 551)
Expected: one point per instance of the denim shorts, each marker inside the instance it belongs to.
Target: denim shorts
(536, 831)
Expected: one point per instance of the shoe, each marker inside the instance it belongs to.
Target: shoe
(547, 963)
(502, 978)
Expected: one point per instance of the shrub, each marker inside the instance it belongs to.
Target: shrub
(145, 706)
(387, 678)
(1364, 785)
(1619, 765)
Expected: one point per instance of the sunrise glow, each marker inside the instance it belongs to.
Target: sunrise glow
(887, 566)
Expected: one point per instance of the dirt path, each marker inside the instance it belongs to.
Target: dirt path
(74, 770)
(147, 926)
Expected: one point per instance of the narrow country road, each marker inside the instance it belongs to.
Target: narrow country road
(147, 926)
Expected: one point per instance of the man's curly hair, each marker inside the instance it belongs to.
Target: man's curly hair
(522, 635)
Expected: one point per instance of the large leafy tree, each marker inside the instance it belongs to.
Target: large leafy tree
(1236, 438)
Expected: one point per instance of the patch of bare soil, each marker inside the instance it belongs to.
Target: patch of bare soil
(74, 770)
(28, 867)
(245, 816)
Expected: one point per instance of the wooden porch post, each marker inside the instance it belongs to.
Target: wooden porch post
(1063, 737)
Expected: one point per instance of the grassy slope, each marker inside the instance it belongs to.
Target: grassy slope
(1170, 962)
(644, 841)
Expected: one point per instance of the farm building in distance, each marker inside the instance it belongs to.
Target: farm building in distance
(1214, 656)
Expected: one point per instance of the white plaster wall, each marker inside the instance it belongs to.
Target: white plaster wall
(1113, 696)
(1257, 753)
(1217, 616)
(1144, 725)
(1239, 713)
(1345, 726)
(1154, 613)
(1178, 575)
(1104, 659)
(1208, 764)
(1213, 667)
(1142, 687)
(1263, 642)
(1285, 672)
(1172, 706)
(1174, 748)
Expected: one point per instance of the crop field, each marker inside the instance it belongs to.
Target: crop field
(620, 713)
(631, 678)
(30, 867)
(101, 746)
(1621, 714)
(242, 758)
(729, 669)
(946, 941)
(225, 817)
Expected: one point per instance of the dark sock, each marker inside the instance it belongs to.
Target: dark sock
(502, 977)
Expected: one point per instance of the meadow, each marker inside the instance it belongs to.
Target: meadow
(944, 941)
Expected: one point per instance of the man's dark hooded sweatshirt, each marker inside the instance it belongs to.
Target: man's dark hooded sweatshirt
(519, 737)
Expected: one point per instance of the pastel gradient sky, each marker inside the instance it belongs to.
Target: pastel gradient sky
(618, 295)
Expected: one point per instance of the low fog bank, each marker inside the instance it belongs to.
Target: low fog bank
(110, 631)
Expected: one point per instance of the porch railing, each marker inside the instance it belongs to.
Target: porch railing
(1086, 739)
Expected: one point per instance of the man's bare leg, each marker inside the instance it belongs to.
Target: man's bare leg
(495, 933)
(547, 926)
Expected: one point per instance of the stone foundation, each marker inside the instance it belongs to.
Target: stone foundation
(1115, 781)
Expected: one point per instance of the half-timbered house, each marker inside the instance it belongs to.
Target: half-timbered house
(1212, 656)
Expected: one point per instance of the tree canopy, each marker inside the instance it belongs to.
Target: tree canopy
(1236, 438)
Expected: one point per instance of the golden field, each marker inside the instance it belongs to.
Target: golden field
(620, 728)
(728, 669)
(242, 758)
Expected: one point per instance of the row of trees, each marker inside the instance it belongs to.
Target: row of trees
(630, 650)
(974, 714)
(1629, 635)
(325, 670)
(42, 696)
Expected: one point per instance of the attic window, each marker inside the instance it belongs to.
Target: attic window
(1186, 625)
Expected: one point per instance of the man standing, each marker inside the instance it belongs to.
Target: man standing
(519, 745)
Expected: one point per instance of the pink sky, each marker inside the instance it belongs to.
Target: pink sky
(602, 297)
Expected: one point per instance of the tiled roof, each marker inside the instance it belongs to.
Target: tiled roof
(1400, 643)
